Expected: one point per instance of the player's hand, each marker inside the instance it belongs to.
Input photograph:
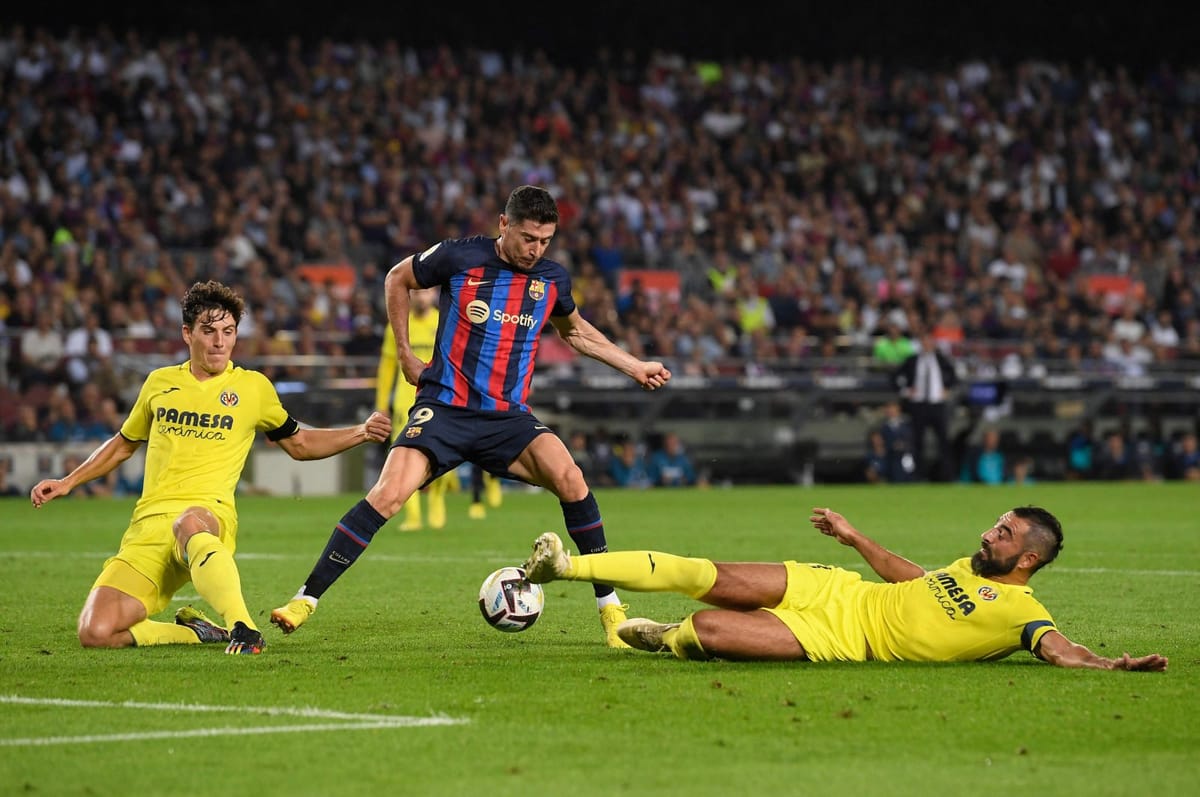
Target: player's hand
(47, 490)
(653, 375)
(378, 427)
(411, 366)
(1151, 663)
(832, 524)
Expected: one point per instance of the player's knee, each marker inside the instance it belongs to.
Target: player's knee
(195, 520)
(94, 633)
(567, 483)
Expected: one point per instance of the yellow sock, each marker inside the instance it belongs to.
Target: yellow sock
(412, 511)
(491, 490)
(684, 642)
(152, 632)
(435, 494)
(646, 571)
(215, 576)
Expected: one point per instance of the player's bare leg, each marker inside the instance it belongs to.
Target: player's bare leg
(106, 618)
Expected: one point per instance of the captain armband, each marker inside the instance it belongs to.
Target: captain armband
(289, 428)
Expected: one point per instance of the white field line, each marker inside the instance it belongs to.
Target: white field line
(481, 556)
(346, 721)
(495, 556)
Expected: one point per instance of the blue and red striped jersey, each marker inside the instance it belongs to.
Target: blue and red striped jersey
(491, 318)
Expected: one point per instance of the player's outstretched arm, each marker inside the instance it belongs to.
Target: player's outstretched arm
(320, 443)
(107, 456)
(1062, 652)
(890, 567)
(583, 337)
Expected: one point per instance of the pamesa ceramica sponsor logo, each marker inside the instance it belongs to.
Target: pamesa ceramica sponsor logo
(194, 425)
(478, 312)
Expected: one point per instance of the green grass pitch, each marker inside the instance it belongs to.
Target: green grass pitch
(397, 686)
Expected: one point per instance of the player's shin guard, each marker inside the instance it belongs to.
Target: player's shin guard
(684, 642)
(646, 571)
(215, 576)
(349, 539)
(583, 523)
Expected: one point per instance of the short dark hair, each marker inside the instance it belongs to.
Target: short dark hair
(1045, 533)
(212, 295)
(531, 203)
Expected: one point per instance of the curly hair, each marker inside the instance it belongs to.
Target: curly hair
(203, 297)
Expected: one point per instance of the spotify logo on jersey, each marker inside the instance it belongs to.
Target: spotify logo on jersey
(478, 312)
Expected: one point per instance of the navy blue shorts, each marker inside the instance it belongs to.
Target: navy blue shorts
(450, 436)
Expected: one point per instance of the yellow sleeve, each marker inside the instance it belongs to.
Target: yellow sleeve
(271, 414)
(385, 377)
(137, 424)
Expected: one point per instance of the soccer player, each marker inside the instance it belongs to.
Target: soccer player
(199, 420)
(497, 295)
(976, 609)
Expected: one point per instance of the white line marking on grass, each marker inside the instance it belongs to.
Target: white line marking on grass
(349, 721)
(481, 556)
(1052, 569)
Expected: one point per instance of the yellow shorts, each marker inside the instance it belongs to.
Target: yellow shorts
(148, 565)
(819, 609)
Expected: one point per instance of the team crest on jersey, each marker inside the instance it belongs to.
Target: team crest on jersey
(988, 593)
(412, 431)
(229, 398)
(537, 290)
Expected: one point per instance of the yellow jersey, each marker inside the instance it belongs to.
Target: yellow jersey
(948, 614)
(393, 394)
(199, 434)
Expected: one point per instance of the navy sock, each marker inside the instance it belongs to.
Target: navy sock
(349, 539)
(587, 531)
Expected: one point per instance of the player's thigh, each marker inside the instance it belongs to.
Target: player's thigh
(747, 585)
(404, 471)
(746, 636)
(148, 566)
(108, 611)
(546, 462)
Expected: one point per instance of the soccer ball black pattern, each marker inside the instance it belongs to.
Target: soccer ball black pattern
(508, 602)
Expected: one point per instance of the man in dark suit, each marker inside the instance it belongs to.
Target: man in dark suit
(926, 382)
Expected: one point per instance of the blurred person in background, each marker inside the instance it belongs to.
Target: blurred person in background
(926, 381)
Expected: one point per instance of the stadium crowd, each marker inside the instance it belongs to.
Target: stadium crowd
(1039, 217)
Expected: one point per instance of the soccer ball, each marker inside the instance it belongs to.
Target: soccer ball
(508, 602)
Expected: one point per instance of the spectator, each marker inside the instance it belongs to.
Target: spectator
(1184, 458)
(88, 349)
(64, 425)
(1022, 470)
(1115, 461)
(893, 347)
(7, 488)
(1081, 449)
(986, 464)
(42, 350)
(25, 427)
(900, 465)
(670, 465)
(628, 468)
(585, 458)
